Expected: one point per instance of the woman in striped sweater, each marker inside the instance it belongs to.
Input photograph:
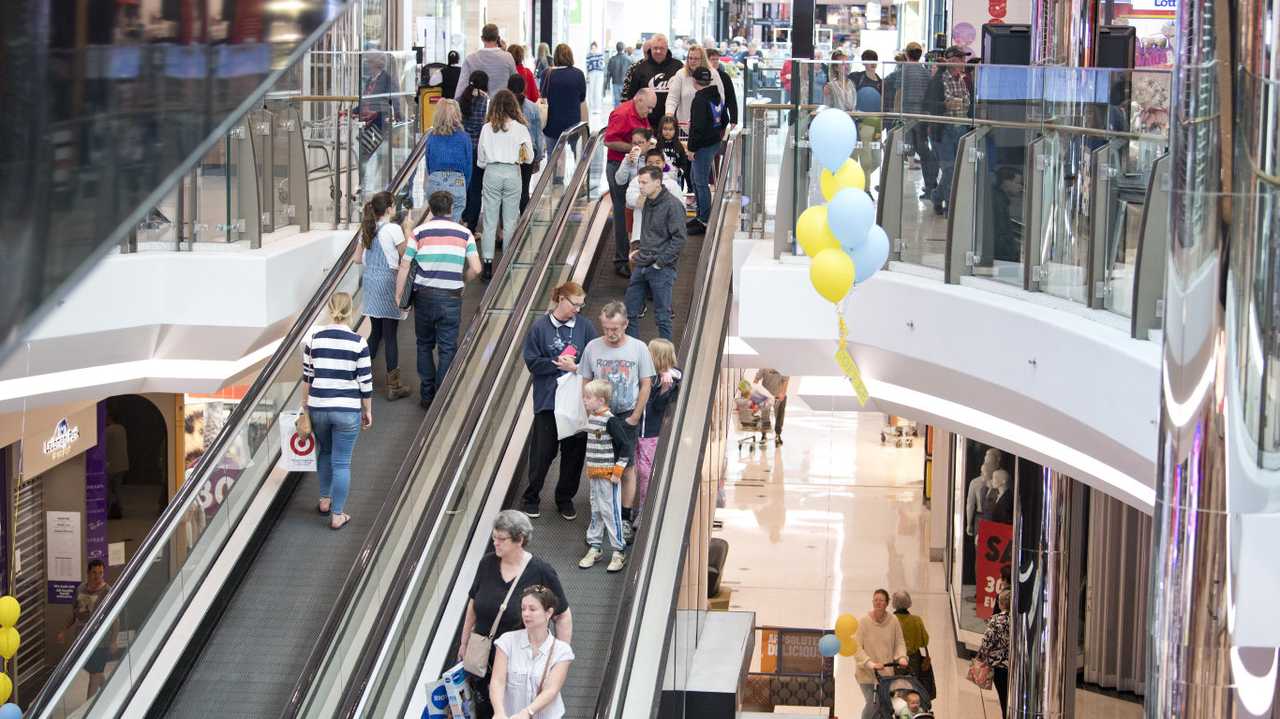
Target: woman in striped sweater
(338, 375)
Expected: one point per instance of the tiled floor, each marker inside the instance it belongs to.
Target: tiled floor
(815, 526)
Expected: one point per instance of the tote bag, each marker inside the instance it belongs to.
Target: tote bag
(571, 413)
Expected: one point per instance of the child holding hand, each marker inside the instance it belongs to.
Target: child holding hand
(608, 446)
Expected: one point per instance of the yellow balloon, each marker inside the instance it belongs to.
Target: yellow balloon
(9, 611)
(831, 273)
(849, 175)
(6, 687)
(846, 625)
(9, 641)
(848, 646)
(812, 231)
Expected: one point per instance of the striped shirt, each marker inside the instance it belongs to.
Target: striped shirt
(600, 454)
(441, 248)
(335, 362)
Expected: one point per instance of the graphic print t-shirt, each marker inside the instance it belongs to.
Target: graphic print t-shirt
(623, 367)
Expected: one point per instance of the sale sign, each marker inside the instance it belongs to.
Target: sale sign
(995, 549)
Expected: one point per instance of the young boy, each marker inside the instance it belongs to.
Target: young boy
(608, 446)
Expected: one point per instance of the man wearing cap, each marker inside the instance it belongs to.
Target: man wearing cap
(706, 127)
(948, 96)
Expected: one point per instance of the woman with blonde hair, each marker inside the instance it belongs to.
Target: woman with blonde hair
(449, 159)
(681, 90)
(666, 387)
(505, 144)
(339, 402)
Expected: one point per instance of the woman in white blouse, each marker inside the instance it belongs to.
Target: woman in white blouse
(530, 664)
(504, 145)
(681, 89)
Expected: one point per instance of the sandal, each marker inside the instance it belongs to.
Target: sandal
(342, 519)
(324, 505)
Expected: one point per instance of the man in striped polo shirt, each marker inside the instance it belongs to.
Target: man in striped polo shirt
(443, 258)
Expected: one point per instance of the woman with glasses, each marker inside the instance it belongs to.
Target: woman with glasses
(551, 349)
(531, 664)
(489, 614)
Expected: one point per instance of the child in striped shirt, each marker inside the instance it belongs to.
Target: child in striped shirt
(608, 447)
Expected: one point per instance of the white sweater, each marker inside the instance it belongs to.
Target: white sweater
(504, 146)
(680, 92)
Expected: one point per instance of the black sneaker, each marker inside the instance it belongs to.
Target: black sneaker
(532, 511)
(696, 227)
(486, 270)
(643, 311)
(568, 512)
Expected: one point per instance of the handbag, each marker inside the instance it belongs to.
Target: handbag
(543, 107)
(479, 647)
(370, 138)
(980, 674)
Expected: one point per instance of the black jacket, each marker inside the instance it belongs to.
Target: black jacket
(730, 98)
(622, 437)
(648, 73)
(706, 118)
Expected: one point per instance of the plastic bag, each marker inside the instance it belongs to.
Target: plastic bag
(297, 450)
(571, 413)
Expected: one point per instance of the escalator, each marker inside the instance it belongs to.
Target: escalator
(109, 106)
(220, 607)
(409, 617)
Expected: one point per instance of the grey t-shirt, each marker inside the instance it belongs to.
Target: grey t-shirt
(496, 63)
(623, 366)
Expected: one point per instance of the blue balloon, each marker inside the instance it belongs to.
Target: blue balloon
(850, 214)
(832, 137)
(11, 710)
(869, 258)
(828, 645)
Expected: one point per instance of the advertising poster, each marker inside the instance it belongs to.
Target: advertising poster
(995, 549)
(968, 17)
(62, 548)
(96, 493)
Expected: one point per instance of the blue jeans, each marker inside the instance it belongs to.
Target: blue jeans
(452, 182)
(436, 317)
(336, 433)
(659, 283)
(945, 151)
(617, 94)
(703, 159)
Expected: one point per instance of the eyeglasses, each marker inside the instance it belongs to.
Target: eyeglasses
(575, 305)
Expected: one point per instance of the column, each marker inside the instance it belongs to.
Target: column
(1044, 614)
(802, 28)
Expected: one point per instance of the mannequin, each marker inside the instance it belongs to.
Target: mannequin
(1000, 498)
(976, 502)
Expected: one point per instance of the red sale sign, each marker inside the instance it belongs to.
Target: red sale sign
(995, 549)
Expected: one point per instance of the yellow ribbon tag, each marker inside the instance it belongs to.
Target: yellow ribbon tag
(845, 360)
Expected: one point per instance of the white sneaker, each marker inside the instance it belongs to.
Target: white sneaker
(590, 559)
(615, 564)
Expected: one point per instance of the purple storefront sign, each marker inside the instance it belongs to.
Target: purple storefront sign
(62, 592)
(95, 493)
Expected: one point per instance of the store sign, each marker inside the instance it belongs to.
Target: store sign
(64, 436)
(55, 435)
(995, 549)
(793, 651)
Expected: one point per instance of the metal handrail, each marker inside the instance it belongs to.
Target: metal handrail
(368, 552)
(636, 583)
(364, 665)
(154, 541)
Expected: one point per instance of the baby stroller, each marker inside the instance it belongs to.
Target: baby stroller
(899, 686)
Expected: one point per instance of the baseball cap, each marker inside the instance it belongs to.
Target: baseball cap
(702, 75)
(954, 51)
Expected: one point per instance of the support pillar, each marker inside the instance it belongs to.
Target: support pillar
(802, 28)
(1044, 615)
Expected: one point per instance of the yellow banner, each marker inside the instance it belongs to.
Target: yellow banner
(850, 368)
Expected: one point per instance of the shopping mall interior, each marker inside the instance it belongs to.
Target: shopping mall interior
(756, 357)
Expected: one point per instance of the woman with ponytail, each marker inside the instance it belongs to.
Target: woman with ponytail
(383, 244)
(474, 104)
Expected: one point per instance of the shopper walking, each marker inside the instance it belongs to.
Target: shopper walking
(450, 156)
(530, 665)
(505, 144)
(626, 363)
(551, 350)
(915, 85)
(684, 86)
(917, 639)
(565, 88)
(617, 71)
(654, 261)
(491, 59)
(383, 242)
(706, 129)
(880, 645)
(994, 651)
(654, 72)
(517, 87)
(530, 82)
(475, 108)
(442, 258)
(339, 402)
(595, 72)
(631, 115)
(500, 577)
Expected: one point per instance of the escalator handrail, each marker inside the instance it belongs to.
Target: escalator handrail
(636, 581)
(326, 638)
(398, 590)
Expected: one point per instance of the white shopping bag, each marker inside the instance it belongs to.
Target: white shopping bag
(297, 454)
(571, 414)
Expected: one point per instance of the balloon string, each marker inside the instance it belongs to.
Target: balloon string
(845, 360)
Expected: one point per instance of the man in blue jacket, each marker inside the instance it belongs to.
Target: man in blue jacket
(551, 349)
